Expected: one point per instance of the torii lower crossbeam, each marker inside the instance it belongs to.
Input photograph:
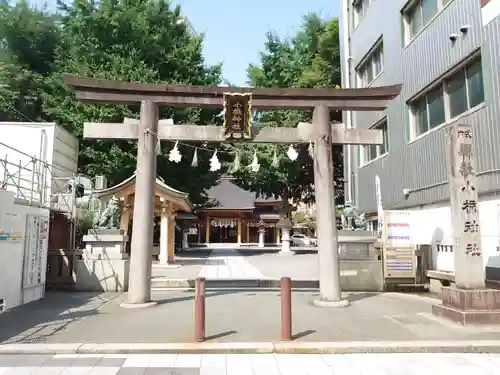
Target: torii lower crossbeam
(305, 132)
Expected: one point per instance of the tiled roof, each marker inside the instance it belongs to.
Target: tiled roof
(228, 196)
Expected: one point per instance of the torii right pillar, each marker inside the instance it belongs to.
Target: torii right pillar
(328, 254)
(469, 301)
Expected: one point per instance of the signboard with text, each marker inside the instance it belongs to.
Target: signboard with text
(237, 116)
(399, 252)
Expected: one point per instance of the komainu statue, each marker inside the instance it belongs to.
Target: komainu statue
(109, 217)
(355, 220)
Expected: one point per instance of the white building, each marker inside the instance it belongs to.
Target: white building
(446, 55)
(36, 162)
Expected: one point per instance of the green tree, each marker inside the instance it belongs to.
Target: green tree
(28, 39)
(309, 59)
(143, 41)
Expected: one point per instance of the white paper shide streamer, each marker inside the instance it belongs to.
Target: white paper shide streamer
(174, 154)
(275, 163)
(254, 166)
(310, 149)
(292, 153)
(194, 162)
(236, 163)
(214, 162)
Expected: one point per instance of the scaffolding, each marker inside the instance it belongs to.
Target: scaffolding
(34, 182)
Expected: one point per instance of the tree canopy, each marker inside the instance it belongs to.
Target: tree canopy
(149, 41)
(145, 41)
(311, 58)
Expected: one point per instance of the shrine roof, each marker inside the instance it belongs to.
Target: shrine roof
(228, 196)
(162, 190)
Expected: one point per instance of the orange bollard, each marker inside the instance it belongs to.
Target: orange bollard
(199, 310)
(286, 308)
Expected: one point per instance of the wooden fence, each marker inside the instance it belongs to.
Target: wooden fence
(61, 269)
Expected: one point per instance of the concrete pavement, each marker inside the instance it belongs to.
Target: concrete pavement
(229, 264)
(250, 364)
(231, 317)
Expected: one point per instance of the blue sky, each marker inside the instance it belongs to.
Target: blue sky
(235, 29)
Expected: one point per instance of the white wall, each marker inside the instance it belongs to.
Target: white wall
(431, 225)
(46, 142)
(490, 11)
(13, 290)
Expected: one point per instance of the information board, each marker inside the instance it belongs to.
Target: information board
(399, 252)
(35, 250)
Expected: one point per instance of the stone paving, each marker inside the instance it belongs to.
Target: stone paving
(242, 264)
(227, 264)
(231, 316)
(250, 364)
(301, 266)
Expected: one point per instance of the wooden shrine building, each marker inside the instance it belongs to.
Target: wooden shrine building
(169, 202)
(235, 216)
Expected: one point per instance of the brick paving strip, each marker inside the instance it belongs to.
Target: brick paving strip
(249, 364)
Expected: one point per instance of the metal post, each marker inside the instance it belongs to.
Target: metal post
(33, 171)
(20, 168)
(286, 308)
(199, 310)
(5, 174)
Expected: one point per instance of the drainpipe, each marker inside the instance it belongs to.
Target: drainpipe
(347, 84)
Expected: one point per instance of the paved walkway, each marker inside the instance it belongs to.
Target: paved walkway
(231, 316)
(251, 364)
(229, 264)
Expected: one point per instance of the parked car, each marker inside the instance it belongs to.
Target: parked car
(299, 239)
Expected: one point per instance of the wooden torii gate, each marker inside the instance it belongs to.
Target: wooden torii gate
(149, 129)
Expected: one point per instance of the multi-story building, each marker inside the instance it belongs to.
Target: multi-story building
(446, 54)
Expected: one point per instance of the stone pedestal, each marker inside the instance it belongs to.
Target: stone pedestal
(469, 306)
(262, 231)
(185, 243)
(105, 264)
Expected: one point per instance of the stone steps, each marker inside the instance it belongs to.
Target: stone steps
(220, 283)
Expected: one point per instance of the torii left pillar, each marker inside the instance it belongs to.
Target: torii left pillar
(139, 287)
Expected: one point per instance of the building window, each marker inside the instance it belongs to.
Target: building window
(371, 66)
(418, 13)
(372, 152)
(457, 93)
(360, 10)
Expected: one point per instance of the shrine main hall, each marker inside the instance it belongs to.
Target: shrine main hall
(234, 216)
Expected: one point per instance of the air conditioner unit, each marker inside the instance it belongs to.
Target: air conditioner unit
(101, 183)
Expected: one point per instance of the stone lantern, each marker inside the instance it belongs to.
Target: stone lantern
(286, 226)
(262, 231)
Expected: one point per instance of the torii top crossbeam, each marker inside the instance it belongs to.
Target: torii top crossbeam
(92, 90)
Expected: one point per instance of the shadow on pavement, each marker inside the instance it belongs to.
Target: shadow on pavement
(353, 297)
(191, 296)
(38, 321)
(220, 335)
(303, 334)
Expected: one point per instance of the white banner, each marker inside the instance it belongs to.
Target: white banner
(380, 209)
